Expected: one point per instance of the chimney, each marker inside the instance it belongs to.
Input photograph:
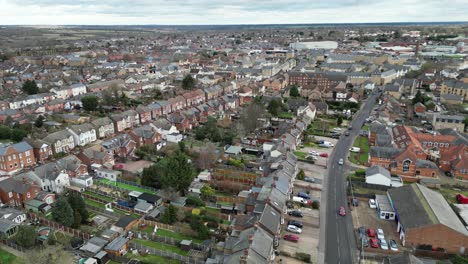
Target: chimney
(250, 240)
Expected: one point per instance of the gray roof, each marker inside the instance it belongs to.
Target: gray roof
(262, 244)
(59, 135)
(383, 140)
(270, 219)
(384, 152)
(378, 128)
(425, 164)
(116, 244)
(20, 147)
(6, 225)
(404, 258)
(13, 185)
(378, 170)
(102, 122)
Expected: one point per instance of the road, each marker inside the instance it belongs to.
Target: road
(340, 247)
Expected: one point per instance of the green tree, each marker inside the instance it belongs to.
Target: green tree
(39, 121)
(274, 107)
(151, 176)
(182, 146)
(26, 236)
(78, 204)
(90, 102)
(76, 219)
(170, 215)
(188, 83)
(339, 121)
(419, 98)
(178, 173)
(30, 87)
(18, 134)
(63, 213)
(301, 175)
(206, 192)
(5, 132)
(294, 91)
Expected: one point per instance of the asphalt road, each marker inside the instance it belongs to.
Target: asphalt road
(340, 245)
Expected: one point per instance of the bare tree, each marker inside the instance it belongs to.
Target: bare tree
(251, 117)
(206, 156)
(49, 255)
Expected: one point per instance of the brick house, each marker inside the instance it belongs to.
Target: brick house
(145, 135)
(94, 155)
(61, 141)
(179, 121)
(57, 105)
(455, 161)
(122, 146)
(42, 150)
(144, 114)
(419, 108)
(166, 107)
(73, 166)
(15, 157)
(104, 127)
(177, 103)
(213, 92)
(156, 110)
(15, 193)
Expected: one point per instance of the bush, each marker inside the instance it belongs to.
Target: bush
(315, 205)
(212, 225)
(303, 257)
(360, 172)
(300, 175)
(194, 201)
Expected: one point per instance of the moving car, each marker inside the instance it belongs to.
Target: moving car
(383, 244)
(373, 243)
(325, 155)
(380, 234)
(292, 238)
(372, 203)
(309, 179)
(371, 232)
(295, 223)
(294, 229)
(340, 162)
(346, 133)
(393, 245)
(295, 213)
(342, 211)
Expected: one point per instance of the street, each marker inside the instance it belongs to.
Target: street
(340, 244)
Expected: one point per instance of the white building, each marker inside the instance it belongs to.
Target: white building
(380, 176)
(83, 134)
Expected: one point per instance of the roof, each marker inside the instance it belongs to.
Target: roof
(116, 244)
(124, 221)
(384, 152)
(270, 219)
(378, 170)
(13, 185)
(404, 258)
(425, 164)
(151, 198)
(20, 147)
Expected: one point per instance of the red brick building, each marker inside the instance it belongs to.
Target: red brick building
(15, 157)
(16, 193)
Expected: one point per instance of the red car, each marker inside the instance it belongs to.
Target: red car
(292, 238)
(325, 155)
(342, 211)
(373, 242)
(371, 232)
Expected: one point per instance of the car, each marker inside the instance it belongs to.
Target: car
(303, 195)
(346, 133)
(365, 241)
(337, 129)
(324, 155)
(383, 244)
(295, 223)
(342, 211)
(373, 243)
(309, 179)
(350, 128)
(371, 232)
(393, 245)
(313, 153)
(294, 229)
(372, 204)
(340, 162)
(380, 234)
(311, 157)
(295, 213)
(362, 231)
(292, 238)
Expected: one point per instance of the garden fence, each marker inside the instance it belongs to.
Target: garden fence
(167, 254)
(58, 227)
(12, 245)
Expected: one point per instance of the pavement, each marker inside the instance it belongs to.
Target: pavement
(338, 245)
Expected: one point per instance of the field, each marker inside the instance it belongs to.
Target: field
(363, 156)
(8, 258)
(126, 186)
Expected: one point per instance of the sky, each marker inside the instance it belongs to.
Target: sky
(221, 12)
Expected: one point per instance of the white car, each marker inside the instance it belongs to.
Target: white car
(313, 153)
(372, 204)
(341, 162)
(294, 229)
(337, 129)
(393, 245)
(383, 244)
(380, 234)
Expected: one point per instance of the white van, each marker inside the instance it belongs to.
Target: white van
(355, 149)
(298, 199)
(326, 144)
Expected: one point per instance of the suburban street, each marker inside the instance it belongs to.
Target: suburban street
(340, 244)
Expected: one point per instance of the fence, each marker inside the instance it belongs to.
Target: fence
(371, 186)
(434, 254)
(9, 243)
(167, 254)
(177, 229)
(138, 185)
(167, 240)
(59, 227)
(100, 192)
(103, 211)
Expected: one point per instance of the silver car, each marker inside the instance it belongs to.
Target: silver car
(341, 162)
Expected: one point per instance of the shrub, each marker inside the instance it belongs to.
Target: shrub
(360, 172)
(212, 225)
(194, 201)
(301, 175)
(315, 205)
(303, 257)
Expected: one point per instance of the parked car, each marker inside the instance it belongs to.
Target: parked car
(303, 195)
(336, 129)
(393, 245)
(342, 211)
(311, 157)
(298, 199)
(373, 243)
(362, 231)
(296, 213)
(355, 202)
(380, 234)
(292, 238)
(462, 199)
(294, 229)
(383, 244)
(350, 128)
(355, 149)
(372, 203)
(295, 223)
(346, 133)
(340, 162)
(313, 153)
(324, 155)
(365, 241)
(309, 179)
(371, 232)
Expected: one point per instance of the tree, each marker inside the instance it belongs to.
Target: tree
(274, 107)
(178, 173)
(206, 156)
(18, 134)
(419, 98)
(294, 91)
(188, 83)
(48, 255)
(78, 204)
(90, 103)
(181, 146)
(339, 121)
(39, 121)
(396, 34)
(26, 236)
(301, 175)
(170, 215)
(76, 219)
(63, 213)
(250, 116)
(206, 192)
(151, 176)
(30, 87)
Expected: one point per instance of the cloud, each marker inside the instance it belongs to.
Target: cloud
(175, 12)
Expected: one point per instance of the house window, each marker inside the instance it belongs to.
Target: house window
(27, 153)
(418, 172)
(10, 195)
(20, 155)
(28, 195)
(406, 165)
(9, 158)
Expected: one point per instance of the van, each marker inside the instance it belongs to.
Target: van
(355, 149)
(299, 200)
(326, 144)
(303, 195)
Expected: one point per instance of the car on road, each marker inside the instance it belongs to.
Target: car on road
(309, 179)
(393, 245)
(380, 234)
(371, 232)
(295, 223)
(296, 213)
(340, 162)
(372, 204)
(373, 243)
(324, 155)
(342, 211)
(350, 128)
(346, 133)
(294, 229)
(383, 244)
(313, 153)
(292, 238)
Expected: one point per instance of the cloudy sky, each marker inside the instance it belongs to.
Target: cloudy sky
(182, 12)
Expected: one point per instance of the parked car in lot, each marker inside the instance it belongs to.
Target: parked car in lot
(350, 128)
(303, 195)
(309, 179)
(355, 149)
(294, 229)
(313, 153)
(365, 241)
(362, 231)
(336, 129)
(295, 223)
(311, 157)
(372, 204)
(380, 234)
(342, 211)
(393, 245)
(373, 243)
(296, 213)
(298, 199)
(324, 155)
(340, 162)
(371, 232)
(383, 244)
(355, 202)
(292, 238)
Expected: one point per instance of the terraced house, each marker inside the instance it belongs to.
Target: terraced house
(16, 157)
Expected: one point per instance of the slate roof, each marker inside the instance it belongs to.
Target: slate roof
(378, 170)
(384, 152)
(20, 147)
(425, 164)
(124, 221)
(270, 219)
(13, 185)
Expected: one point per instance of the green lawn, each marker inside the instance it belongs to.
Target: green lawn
(161, 246)
(211, 209)
(450, 194)
(126, 186)
(362, 157)
(8, 258)
(365, 127)
(152, 259)
(300, 154)
(178, 236)
(94, 203)
(100, 196)
(286, 115)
